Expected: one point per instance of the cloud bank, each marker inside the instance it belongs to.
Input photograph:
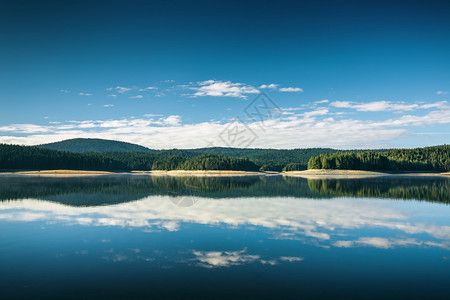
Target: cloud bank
(223, 89)
(318, 124)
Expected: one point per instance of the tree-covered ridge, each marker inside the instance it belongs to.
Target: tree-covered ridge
(14, 157)
(266, 159)
(205, 162)
(435, 158)
(83, 145)
(36, 158)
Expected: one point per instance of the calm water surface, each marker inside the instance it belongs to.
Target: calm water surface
(270, 237)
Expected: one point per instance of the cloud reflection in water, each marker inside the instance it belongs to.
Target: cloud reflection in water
(326, 222)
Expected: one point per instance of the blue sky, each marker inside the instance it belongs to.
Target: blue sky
(165, 74)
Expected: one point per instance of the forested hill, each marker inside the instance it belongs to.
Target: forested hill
(83, 145)
(13, 157)
(435, 158)
(93, 145)
(267, 159)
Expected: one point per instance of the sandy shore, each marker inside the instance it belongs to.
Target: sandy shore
(80, 173)
(311, 174)
(349, 174)
(63, 173)
(204, 173)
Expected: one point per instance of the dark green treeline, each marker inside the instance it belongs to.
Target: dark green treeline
(435, 158)
(14, 157)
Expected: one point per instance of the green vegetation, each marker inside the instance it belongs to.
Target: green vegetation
(140, 158)
(435, 158)
(91, 154)
(93, 145)
(267, 159)
(14, 157)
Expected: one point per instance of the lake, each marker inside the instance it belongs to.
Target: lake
(255, 237)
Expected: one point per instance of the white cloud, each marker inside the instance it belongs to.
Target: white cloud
(223, 89)
(85, 94)
(312, 128)
(224, 258)
(26, 128)
(153, 115)
(291, 89)
(213, 259)
(291, 109)
(272, 86)
(291, 258)
(341, 104)
(379, 106)
(148, 88)
(108, 105)
(378, 242)
(112, 95)
(120, 89)
(441, 92)
(171, 120)
(137, 97)
(430, 119)
(317, 112)
(65, 91)
(322, 101)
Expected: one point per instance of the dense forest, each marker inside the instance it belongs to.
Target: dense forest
(13, 157)
(435, 158)
(98, 154)
(138, 157)
(93, 145)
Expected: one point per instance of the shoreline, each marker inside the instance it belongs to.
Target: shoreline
(82, 173)
(199, 173)
(311, 174)
(355, 174)
(62, 173)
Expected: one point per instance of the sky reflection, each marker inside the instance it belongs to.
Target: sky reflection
(336, 222)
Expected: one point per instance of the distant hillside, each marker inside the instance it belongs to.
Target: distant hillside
(93, 145)
(436, 158)
(15, 157)
(269, 159)
(111, 155)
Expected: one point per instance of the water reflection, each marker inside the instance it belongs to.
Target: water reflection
(142, 237)
(292, 208)
(105, 190)
(337, 222)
